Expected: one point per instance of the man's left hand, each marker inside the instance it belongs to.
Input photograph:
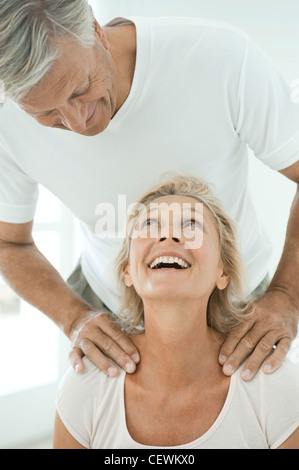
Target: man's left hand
(269, 333)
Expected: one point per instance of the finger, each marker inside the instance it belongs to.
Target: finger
(102, 332)
(122, 340)
(98, 358)
(75, 358)
(100, 348)
(255, 341)
(106, 324)
(279, 354)
(262, 350)
(232, 341)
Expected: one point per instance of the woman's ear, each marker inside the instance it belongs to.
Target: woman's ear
(127, 276)
(223, 280)
(101, 35)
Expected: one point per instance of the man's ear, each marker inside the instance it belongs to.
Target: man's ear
(101, 35)
(127, 276)
(223, 280)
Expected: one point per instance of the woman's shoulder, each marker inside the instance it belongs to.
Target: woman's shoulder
(85, 382)
(273, 393)
(280, 401)
(82, 397)
(86, 390)
(275, 400)
(285, 378)
(288, 368)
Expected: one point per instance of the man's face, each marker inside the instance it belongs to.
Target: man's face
(79, 93)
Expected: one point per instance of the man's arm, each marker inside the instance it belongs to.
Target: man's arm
(276, 316)
(34, 279)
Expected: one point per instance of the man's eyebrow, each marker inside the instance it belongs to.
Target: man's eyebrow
(42, 113)
(75, 94)
(28, 110)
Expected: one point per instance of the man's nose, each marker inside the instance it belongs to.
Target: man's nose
(74, 116)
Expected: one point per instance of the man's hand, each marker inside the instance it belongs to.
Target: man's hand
(273, 324)
(96, 336)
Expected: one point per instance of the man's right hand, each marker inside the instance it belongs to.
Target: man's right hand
(96, 336)
(31, 275)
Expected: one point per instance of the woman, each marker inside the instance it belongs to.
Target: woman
(180, 277)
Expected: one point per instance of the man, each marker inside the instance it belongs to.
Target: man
(102, 113)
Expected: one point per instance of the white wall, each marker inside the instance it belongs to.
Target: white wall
(273, 25)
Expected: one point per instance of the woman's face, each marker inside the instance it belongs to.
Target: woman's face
(174, 251)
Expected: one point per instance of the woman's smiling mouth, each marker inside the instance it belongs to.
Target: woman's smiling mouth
(169, 262)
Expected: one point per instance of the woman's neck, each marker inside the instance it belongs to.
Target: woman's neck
(177, 347)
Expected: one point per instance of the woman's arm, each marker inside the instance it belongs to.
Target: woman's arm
(292, 442)
(62, 438)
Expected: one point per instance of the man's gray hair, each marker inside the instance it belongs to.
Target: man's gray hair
(27, 30)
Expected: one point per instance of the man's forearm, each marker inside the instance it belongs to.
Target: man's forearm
(34, 279)
(286, 277)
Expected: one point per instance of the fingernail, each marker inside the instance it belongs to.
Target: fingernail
(228, 369)
(77, 367)
(112, 371)
(129, 367)
(267, 368)
(222, 359)
(246, 374)
(135, 357)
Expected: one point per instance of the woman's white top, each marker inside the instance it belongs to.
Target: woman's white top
(259, 414)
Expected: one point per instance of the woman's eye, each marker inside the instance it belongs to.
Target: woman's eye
(150, 222)
(192, 223)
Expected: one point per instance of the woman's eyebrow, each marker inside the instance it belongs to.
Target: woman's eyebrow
(194, 210)
(184, 212)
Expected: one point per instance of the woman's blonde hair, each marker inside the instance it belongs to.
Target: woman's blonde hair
(226, 308)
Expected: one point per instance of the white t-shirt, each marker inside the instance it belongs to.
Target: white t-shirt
(259, 414)
(202, 92)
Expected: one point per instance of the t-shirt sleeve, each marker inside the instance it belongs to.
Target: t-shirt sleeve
(76, 400)
(18, 192)
(280, 403)
(268, 118)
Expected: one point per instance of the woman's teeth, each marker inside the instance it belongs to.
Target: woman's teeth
(169, 260)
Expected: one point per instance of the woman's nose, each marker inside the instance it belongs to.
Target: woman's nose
(177, 240)
(171, 232)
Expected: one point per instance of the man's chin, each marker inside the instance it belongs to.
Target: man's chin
(95, 130)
